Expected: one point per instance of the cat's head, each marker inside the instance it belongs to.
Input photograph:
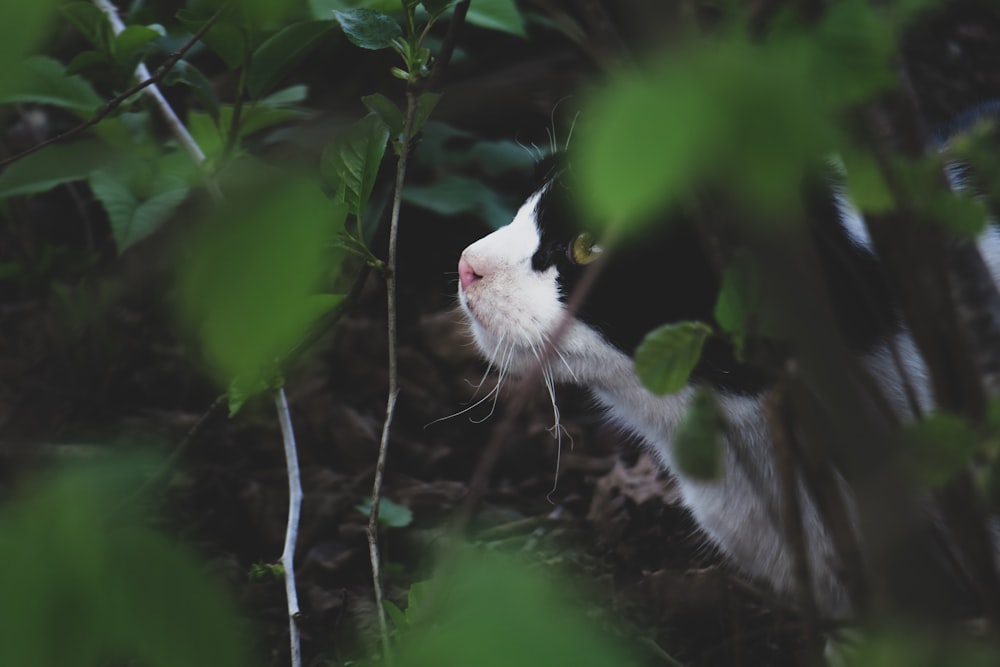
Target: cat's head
(514, 285)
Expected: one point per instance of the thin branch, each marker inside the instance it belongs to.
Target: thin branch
(292, 529)
(412, 103)
(119, 99)
(781, 430)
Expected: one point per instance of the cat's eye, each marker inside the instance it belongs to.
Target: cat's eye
(583, 249)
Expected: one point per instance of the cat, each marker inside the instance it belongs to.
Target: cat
(513, 289)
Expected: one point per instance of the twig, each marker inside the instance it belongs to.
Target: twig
(781, 430)
(119, 99)
(412, 101)
(292, 529)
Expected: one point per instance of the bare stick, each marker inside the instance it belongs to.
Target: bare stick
(292, 529)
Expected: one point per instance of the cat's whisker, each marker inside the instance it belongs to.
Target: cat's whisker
(504, 369)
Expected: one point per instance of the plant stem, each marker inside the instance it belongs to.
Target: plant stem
(292, 529)
(390, 283)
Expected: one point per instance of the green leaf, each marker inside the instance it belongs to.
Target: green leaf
(453, 195)
(667, 355)
(387, 111)
(700, 438)
(279, 54)
(350, 163)
(85, 60)
(132, 44)
(73, 545)
(228, 40)
(425, 105)
(52, 166)
(91, 22)
(501, 15)
(941, 445)
(493, 611)
(252, 278)
(133, 220)
(43, 80)
(390, 514)
(437, 7)
(285, 97)
(245, 386)
(368, 28)
(185, 73)
(396, 615)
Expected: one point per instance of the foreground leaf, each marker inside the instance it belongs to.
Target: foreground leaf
(75, 549)
(666, 356)
(700, 438)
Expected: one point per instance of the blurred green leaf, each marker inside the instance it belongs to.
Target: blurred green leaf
(85, 60)
(252, 280)
(285, 97)
(22, 27)
(700, 438)
(940, 445)
(226, 38)
(52, 166)
(490, 611)
(896, 645)
(43, 80)
(667, 355)
(436, 7)
(390, 514)
(368, 28)
(387, 111)
(91, 22)
(79, 558)
(501, 15)
(279, 54)
(189, 75)
(351, 161)
(133, 219)
(452, 195)
(746, 117)
(132, 44)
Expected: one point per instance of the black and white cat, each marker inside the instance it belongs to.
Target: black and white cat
(514, 285)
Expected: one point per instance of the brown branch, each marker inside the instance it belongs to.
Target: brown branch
(781, 429)
(119, 99)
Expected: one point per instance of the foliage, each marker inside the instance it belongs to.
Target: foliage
(667, 355)
(249, 288)
(80, 561)
(492, 611)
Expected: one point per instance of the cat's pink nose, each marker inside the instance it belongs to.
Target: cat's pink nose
(466, 275)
